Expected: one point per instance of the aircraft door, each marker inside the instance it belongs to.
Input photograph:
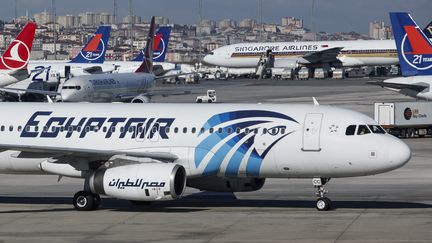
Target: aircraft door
(312, 132)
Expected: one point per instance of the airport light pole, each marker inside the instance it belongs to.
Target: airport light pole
(199, 30)
(260, 7)
(131, 27)
(53, 9)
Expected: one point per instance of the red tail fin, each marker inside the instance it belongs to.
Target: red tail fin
(17, 54)
(147, 64)
(419, 43)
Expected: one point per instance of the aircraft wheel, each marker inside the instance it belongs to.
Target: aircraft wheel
(86, 201)
(323, 204)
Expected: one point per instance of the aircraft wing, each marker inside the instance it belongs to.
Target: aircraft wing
(20, 74)
(328, 55)
(90, 154)
(94, 70)
(174, 75)
(33, 91)
(415, 87)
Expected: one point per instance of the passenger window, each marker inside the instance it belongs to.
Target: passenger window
(19, 128)
(193, 130)
(176, 130)
(283, 130)
(238, 129)
(264, 131)
(220, 130)
(229, 130)
(184, 129)
(247, 131)
(10, 128)
(154, 129)
(167, 129)
(350, 130)
(362, 130)
(211, 130)
(202, 130)
(113, 129)
(2, 128)
(377, 129)
(104, 129)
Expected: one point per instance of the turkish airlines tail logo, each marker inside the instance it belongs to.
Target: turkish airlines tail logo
(414, 47)
(17, 55)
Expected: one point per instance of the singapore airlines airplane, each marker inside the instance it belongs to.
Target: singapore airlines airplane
(14, 61)
(310, 54)
(415, 56)
(150, 152)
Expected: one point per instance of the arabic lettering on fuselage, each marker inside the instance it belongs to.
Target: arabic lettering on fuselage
(276, 48)
(67, 126)
(140, 183)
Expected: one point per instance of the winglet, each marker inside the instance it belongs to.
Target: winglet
(315, 102)
(17, 55)
(95, 49)
(147, 64)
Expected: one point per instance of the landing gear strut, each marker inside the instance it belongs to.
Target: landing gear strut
(322, 203)
(86, 201)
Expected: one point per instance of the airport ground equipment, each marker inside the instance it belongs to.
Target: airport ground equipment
(209, 98)
(405, 119)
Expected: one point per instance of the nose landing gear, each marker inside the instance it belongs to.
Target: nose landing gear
(322, 203)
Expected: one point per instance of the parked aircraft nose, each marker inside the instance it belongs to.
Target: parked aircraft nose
(399, 153)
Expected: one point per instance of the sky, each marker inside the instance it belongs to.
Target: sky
(329, 15)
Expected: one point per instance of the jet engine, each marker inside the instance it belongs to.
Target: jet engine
(141, 99)
(140, 182)
(221, 184)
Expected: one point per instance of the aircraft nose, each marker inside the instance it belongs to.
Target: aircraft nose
(399, 153)
(206, 59)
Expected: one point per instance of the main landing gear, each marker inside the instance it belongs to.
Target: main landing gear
(322, 203)
(86, 201)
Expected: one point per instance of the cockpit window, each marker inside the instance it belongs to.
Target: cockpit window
(211, 53)
(362, 130)
(350, 130)
(376, 129)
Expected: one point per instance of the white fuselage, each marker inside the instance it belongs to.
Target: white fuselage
(106, 87)
(234, 140)
(76, 69)
(354, 53)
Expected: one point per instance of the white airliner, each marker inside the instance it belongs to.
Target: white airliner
(415, 56)
(148, 152)
(310, 54)
(110, 87)
(14, 61)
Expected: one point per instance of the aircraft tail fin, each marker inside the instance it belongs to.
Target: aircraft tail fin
(18, 52)
(95, 49)
(414, 48)
(160, 45)
(147, 64)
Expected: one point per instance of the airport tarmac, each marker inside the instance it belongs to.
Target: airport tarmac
(390, 207)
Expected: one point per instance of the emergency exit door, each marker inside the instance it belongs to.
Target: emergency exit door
(312, 132)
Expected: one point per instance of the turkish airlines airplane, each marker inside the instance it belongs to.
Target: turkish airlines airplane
(415, 57)
(132, 87)
(14, 61)
(151, 152)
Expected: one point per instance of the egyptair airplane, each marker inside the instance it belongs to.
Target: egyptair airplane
(142, 152)
(415, 57)
(14, 61)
